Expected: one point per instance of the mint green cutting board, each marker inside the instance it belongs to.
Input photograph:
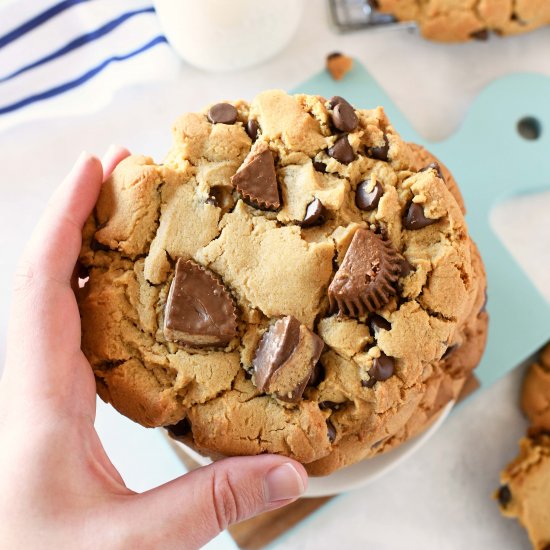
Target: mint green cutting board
(491, 162)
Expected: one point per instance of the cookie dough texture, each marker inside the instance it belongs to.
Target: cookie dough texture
(462, 20)
(535, 395)
(149, 215)
(525, 490)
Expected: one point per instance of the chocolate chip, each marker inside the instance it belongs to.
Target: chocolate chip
(368, 200)
(449, 351)
(436, 167)
(336, 99)
(368, 383)
(378, 443)
(377, 322)
(331, 431)
(342, 151)
(504, 495)
(222, 113)
(318, 375)
(333, 55)
(382, 368)
(252, 129)
(344, 117)
(199, 310)
(365, 280)
(404, 267)
(281, 365)
(315, 214)
(324, 405)
(484, 305)
(373, 4)
(183, 427)
(482, 35)
(320, 166)
(81, 271)
(380, 153)
(516, 18)
(256, 180)
(221, 197)
(415, 218)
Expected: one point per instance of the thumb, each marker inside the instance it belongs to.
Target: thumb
(194, 508)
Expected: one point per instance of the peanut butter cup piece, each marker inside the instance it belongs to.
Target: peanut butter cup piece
(256, 180)
(365, 281)
(199, 310)
(285, 359)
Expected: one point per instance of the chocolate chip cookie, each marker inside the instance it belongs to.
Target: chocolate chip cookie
(462, 20)
(525, 490)
(535, 395)
(294, 278)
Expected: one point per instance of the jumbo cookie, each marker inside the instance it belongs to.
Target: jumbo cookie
(294, 278)
(462, 20)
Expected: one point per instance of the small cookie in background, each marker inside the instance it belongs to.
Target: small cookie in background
(338, 65)
(461, 21)
(525, 489)
(535, 395)
(525, 483)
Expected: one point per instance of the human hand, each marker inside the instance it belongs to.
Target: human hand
(58, 488)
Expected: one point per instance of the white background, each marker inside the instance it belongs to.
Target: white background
(439, 499)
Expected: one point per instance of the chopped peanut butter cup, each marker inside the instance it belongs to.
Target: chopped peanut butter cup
(199, 310)
(285, 359)
(365, 281)
(256, 180)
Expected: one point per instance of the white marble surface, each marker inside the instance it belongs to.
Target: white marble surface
(440, 498)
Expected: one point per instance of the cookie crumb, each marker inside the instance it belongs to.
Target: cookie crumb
(338, 65)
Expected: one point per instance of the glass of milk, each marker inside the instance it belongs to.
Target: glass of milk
(225, 35)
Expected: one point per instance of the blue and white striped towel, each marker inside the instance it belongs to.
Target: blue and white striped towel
(63, 57)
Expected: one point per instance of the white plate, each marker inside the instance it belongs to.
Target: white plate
(359, 474)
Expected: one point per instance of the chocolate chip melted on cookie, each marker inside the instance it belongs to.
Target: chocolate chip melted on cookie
(365, 281)
(381, 370)
(199, 310)
(285, 359)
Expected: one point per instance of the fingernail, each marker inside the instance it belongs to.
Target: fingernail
(283, 482)
(82, 158)
(111, 149)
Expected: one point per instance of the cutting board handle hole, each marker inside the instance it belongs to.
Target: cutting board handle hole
(529, 128)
